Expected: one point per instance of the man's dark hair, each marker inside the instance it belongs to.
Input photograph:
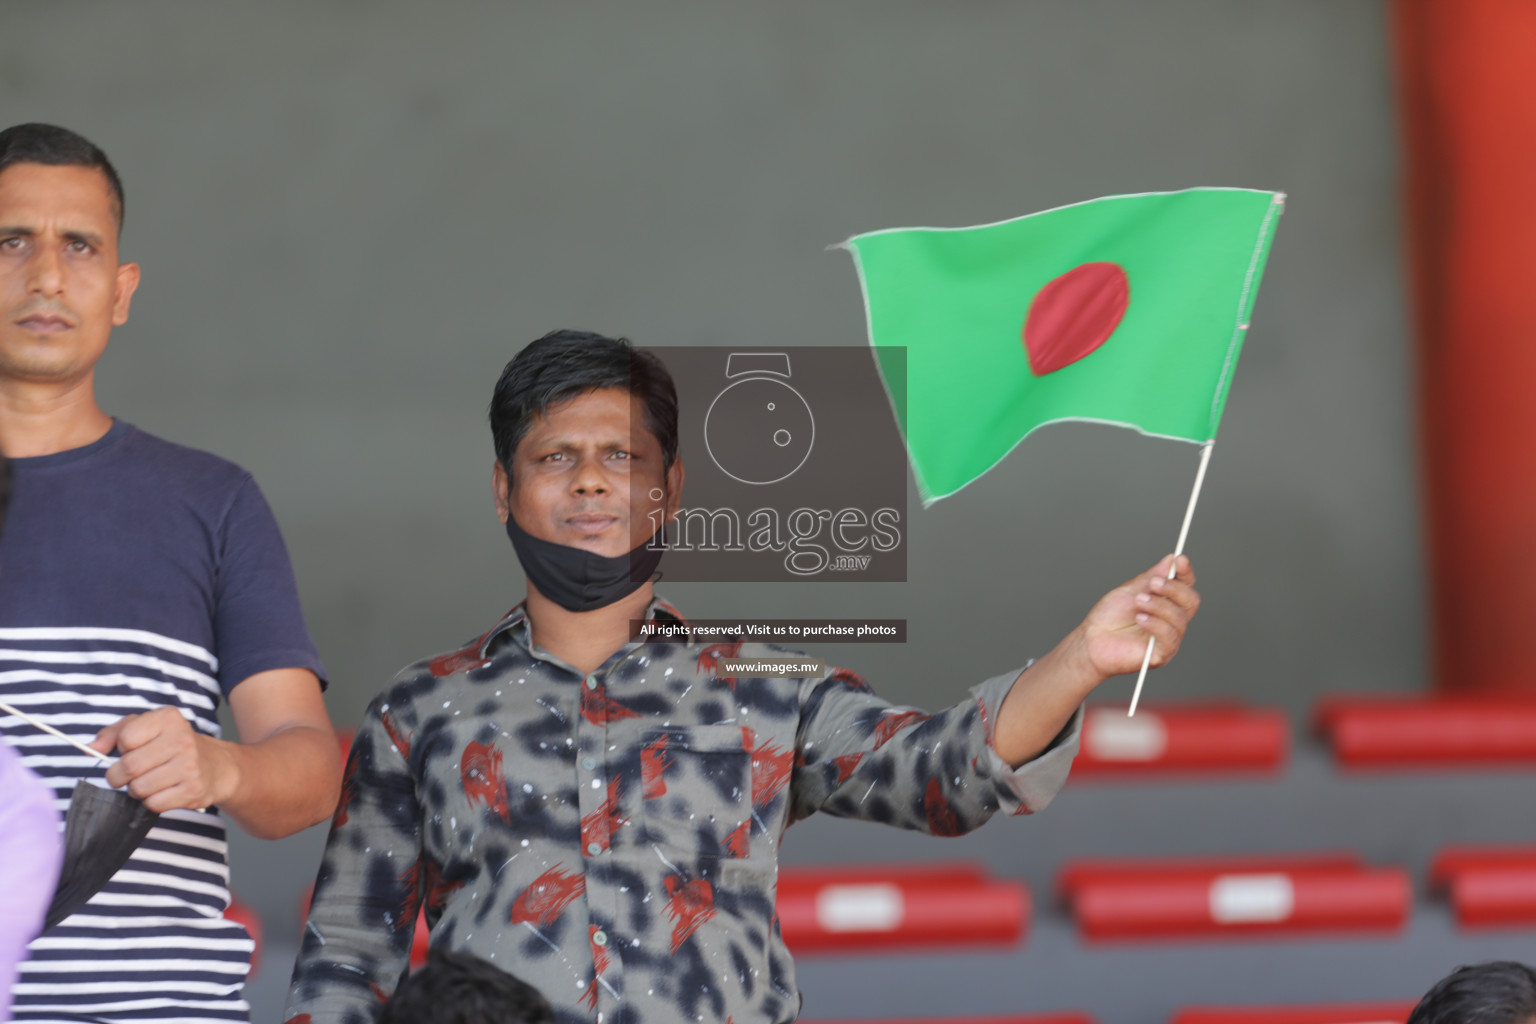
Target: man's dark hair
(460, 988)
(565, 364)
(59, 147)
(1498, 992)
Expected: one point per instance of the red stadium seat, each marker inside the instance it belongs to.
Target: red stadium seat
(1415, 732)
(1325, 893)
(856, 909)
(1077, 873)
(1488, 885)
(1339, 1013)
(1184, 740)
(1454, 860)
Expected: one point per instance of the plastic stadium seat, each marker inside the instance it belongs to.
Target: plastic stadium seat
(1488, 885)
(1415, 732)
(855, 909)
(1339, 1013)
(1266, 895)
(1219, 738)
(1077, 873)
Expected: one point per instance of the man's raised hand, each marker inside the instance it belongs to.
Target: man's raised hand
(1112, 640)
(1113, 637)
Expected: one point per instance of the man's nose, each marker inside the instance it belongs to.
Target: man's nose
(45, 272)
(590, 476)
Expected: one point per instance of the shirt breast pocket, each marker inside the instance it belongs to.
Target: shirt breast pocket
(696, 791)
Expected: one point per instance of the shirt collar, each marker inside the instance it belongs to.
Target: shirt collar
(515, 624)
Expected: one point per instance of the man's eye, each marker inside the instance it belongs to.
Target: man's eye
(622, 455)
(79, 247)
(13, 242)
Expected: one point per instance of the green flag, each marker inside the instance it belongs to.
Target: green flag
(1128, 310)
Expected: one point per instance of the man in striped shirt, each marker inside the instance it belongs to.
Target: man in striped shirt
(141, 583)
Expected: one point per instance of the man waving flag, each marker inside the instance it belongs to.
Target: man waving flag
(1128, 310)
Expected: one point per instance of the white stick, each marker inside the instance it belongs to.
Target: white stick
(1189, 513)
(50, 729)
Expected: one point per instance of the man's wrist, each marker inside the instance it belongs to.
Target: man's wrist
(222, 759)
(1077, 664)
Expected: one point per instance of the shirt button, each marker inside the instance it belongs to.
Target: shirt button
(594, 849)
(588, 763)
(591, 682)
(599, 938)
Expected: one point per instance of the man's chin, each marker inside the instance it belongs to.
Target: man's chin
(607, 547)
(38, 367)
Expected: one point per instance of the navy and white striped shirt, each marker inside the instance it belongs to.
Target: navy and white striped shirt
(137, 574)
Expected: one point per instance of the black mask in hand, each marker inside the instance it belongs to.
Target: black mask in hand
(579, 580)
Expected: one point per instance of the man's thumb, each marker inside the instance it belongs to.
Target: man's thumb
(106, 740)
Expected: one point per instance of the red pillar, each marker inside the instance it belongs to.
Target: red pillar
(1467, 73)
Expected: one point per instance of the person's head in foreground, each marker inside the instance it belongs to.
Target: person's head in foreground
(458, 988)
(1498, 992)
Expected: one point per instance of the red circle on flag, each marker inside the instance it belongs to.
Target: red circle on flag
(1074, 314)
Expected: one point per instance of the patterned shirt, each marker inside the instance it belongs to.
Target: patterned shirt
(613, 838)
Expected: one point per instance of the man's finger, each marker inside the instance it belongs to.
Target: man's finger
(106, 740)
(1180, 593)
(142, 730)
(137, 730)
(175, 798)
(158, 780)
(139, 762)
(1179, 567)
(1164, 634)
(1163, 608)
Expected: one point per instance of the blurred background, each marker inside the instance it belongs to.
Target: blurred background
(351, 215)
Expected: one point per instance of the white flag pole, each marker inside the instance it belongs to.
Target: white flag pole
(35, 723)
(1189, 513)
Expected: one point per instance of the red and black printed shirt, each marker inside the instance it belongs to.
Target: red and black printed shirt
(613, 838)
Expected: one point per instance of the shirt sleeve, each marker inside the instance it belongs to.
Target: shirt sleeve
(357, 940)
(258, 622)
(862, 757)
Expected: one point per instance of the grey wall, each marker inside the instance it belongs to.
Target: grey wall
(351, 215)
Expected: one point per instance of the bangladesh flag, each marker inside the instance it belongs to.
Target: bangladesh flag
(1128, 310)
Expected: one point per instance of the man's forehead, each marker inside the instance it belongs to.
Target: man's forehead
(607, 413)
(75, 197)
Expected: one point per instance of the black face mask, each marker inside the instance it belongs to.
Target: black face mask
(578, 580)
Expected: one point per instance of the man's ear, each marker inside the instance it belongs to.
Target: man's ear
(499, 489)
(122, 293)
(674, 489)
